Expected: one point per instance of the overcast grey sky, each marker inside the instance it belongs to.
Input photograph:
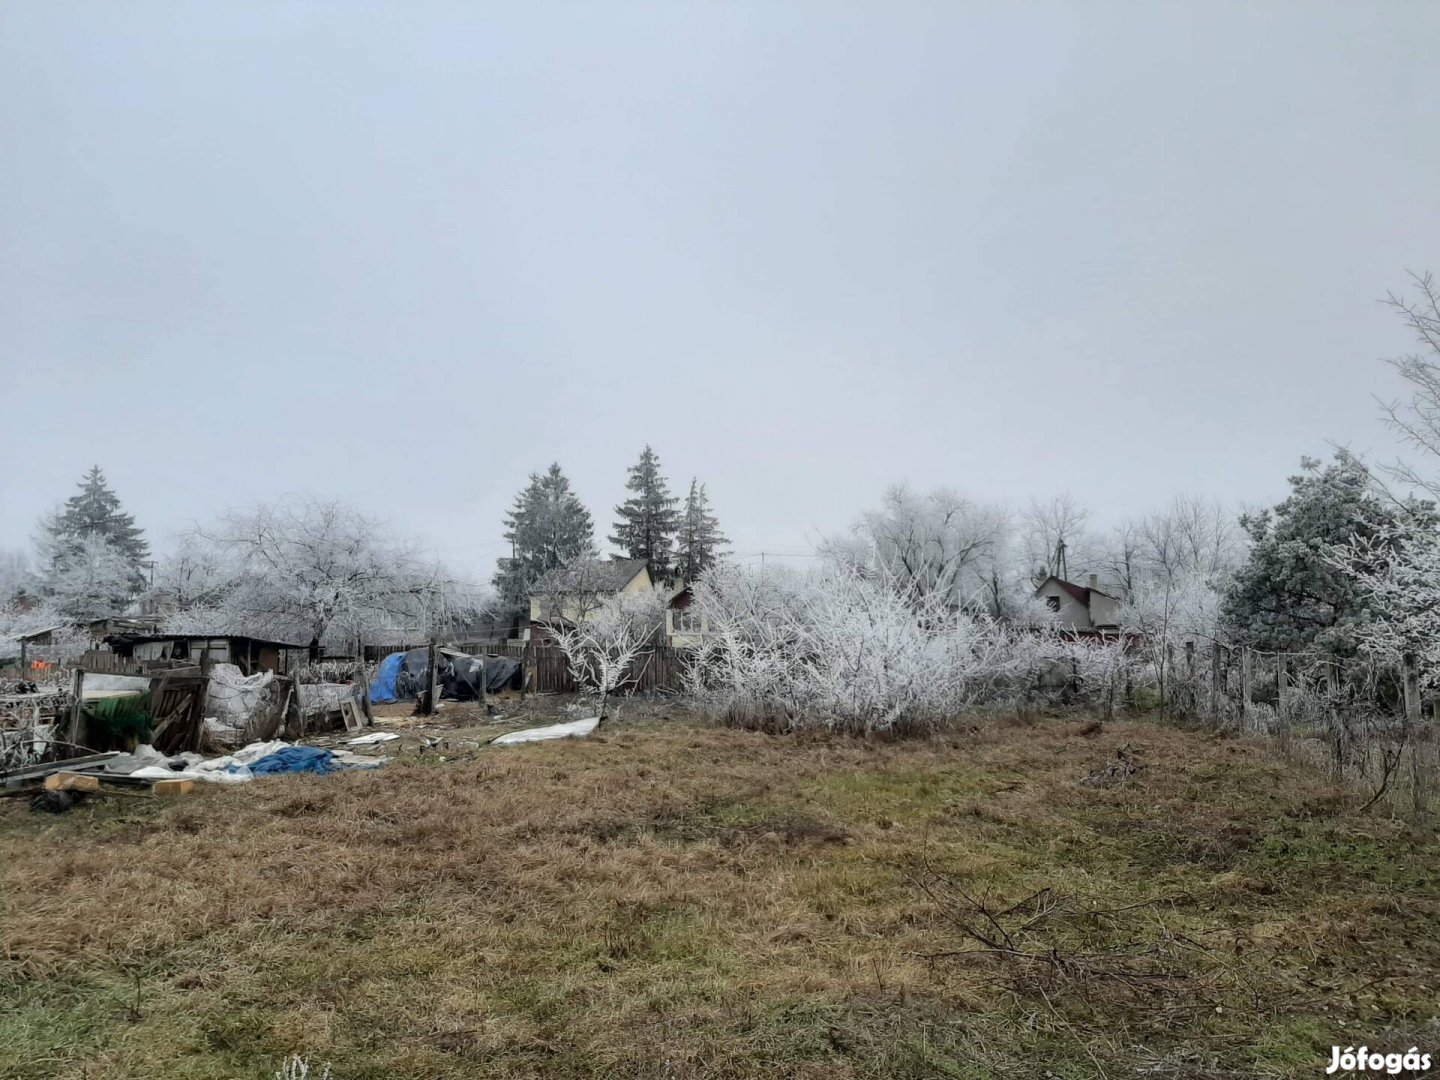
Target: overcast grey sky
(407, 253)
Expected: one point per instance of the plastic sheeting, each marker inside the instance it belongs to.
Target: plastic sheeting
(382, 687)
(236, 701)
(464, 675)
(402, 676)
(574, 729)
(297, 759)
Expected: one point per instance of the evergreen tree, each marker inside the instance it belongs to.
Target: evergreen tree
(648, 520)
(95, 515)
(548, 527)
(1288, 596)
(700, 540)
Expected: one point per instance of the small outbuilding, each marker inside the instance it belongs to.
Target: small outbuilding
(251, 655)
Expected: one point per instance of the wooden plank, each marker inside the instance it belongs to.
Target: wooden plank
(173, 787)
(72, 781)
(365, 693)
(351, 716)
(72, 729)
(35, 772)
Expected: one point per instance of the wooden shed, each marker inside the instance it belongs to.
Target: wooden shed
(251, 655)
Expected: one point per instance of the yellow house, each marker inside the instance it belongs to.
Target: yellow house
(573, 593)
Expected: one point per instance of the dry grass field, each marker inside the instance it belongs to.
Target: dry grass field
(672, 900)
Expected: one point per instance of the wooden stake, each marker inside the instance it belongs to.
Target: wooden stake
(365, 693)
(1247, 681)
(429, 709)
(1412, 692)
(1215, 684)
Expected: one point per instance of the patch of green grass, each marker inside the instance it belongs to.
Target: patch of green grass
(44, 1024)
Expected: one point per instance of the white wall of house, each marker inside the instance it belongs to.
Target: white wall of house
(1068, 611)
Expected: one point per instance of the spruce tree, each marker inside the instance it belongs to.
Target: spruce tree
(548, 527)
(95, 514)
(700, 540)
(648, 521)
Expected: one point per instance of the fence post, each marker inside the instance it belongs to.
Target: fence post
(429, 709)
(1167, 676)
(1247, 680)
(1337, 740)
(365, 693)
(77, 689)
(1419, 781)
(1412, 693)
(1215, 685)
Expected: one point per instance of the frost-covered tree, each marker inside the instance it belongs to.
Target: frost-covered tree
(93, 579)
(1190, 536)
(308, 570)
(699, 543)
(1055, 540)
(1397, 566)
(1417, 419)
(1289, 596)
(16, 580)
(937, 546)
(647, 522)
(95, 511)
(548, 527)
(843, 649)
(602, 649)
(196, 573)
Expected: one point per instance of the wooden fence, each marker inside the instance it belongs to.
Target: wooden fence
(107, 663)
(660, 668)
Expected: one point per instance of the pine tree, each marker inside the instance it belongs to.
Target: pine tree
(648, 520)
(1288, 597)
(95, 515)
(548, 527)
(700, 540)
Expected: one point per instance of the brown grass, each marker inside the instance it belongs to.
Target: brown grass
(672, 900)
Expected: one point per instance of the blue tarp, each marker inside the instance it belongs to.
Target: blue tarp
(382, 690)
(297, 759)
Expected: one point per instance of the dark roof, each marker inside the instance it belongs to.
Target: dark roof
(590, 576)
(132, 639)
(1079, 592)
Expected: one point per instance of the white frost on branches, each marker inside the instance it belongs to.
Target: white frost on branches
(303, 569)
(845, 649)
(602, 648)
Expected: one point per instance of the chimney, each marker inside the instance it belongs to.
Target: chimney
(1093, 581)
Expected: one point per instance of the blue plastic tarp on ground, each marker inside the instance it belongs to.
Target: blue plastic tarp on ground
(382, 690)
(297, 759)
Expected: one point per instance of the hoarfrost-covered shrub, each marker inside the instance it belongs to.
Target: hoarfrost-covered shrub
(842, 650)
(602, 648)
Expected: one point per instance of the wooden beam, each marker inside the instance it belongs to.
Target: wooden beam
(72, 781)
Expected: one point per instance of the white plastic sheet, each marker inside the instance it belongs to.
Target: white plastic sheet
(236, 700)
(372, 738)
(574, 729)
